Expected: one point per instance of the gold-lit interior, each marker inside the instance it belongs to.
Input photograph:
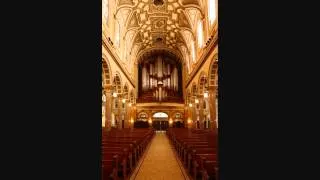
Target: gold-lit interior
(160, 56)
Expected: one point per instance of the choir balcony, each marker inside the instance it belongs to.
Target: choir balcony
(148, 96)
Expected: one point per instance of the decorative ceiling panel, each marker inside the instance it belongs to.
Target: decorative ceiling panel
(159, 22)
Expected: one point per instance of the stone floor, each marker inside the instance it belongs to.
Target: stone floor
(160, 162)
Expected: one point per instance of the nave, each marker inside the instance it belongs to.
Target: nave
(160, 161)
(143, 154)
(159, 73)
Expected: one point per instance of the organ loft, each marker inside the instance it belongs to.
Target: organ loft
(160, 80)
(159, 89)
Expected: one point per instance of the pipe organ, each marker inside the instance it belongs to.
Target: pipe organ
(159, 79)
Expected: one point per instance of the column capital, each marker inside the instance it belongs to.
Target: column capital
(213, 88)
(107, 87)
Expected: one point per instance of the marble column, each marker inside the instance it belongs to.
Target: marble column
(128, 116)
(189, 117)
(134, 112)
(212, 107)
(185, 116)
(131, 115)
(194, 115)
(118, 114)
(123, 114)
(201, 116)
(108, 106)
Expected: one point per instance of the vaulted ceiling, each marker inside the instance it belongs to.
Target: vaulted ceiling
(158, 24)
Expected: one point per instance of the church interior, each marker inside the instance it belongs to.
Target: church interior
(159, 90)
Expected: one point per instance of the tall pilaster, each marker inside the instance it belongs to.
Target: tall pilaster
(108, 106)
(201, 116)
(212, 106)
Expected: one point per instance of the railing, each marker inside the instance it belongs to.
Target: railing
(152, 99)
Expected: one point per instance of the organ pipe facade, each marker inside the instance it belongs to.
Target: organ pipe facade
(160, 80)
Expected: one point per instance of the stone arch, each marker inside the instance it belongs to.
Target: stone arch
(126, 91)
(194, 89)
(106, 71)
(131, 97)
(174, 113)
(188, 97)
(213, 72)
(143, 115)
(117, 83)
(162, 114)
(202, 83)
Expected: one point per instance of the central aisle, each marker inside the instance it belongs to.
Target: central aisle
(160, 162)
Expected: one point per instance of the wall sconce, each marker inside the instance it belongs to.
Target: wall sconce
(205, 94)
(189, 121)
(115, 95)
(123, 101)
(190, 105)
(196, 101)
(170, 121)
(132, 121)
(150, 121)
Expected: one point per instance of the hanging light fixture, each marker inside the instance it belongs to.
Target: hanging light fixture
(196, 101)
(114, 94)
(129, 104)
(123, 101)
(190, 105)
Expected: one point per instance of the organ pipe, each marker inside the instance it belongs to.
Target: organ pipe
(147, 80)
(144, 80)
(155, 68)
(159, 70)
(160, 67)
(175, 79)
(151, 73)
(172, 80)
(164, 67)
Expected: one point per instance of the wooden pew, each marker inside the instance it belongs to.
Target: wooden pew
(127, 145)
(110, 167)
(198, 151)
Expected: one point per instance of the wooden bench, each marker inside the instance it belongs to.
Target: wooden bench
(121, 150)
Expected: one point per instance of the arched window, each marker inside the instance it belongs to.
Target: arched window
(106, 71)
(142, 116)
(193, 53)
(212, 11)
(213, 73)
(200, 34)
(105, 9)
(117, 33)
(188, 63)
(160, 115)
